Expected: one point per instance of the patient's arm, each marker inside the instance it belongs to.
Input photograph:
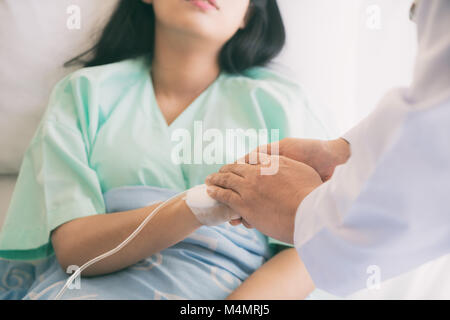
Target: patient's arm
(80, 240)
(284, 277)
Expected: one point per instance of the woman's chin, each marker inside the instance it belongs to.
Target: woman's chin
(204, 31)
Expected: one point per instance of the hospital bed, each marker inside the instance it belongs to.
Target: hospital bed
(35, 41)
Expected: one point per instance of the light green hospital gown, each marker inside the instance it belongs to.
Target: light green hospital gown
(103, 129)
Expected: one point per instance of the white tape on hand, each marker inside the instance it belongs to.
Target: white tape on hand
(207, 210)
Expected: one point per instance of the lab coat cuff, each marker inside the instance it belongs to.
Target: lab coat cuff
(348, 136)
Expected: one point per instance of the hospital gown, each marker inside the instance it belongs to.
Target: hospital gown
(103, 130)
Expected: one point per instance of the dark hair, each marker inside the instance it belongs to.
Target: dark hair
(130, 33)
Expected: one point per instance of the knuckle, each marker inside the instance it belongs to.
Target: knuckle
(212, 178)
(226, 178)
(226, 168)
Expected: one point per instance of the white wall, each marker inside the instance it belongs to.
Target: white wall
(348, 53)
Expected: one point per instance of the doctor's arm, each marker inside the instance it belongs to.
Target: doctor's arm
(396, 221)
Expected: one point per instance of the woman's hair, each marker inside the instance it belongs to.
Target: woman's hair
(130, 33)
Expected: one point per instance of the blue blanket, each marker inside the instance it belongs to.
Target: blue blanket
(209, 264)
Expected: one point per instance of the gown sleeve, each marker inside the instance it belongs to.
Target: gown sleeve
(399, 220)
(55, 183)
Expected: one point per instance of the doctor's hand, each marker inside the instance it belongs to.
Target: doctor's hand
(266, 202)
(322, 155)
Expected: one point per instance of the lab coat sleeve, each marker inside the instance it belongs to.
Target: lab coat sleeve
(399, 220)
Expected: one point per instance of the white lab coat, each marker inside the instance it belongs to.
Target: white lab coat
(387, 210)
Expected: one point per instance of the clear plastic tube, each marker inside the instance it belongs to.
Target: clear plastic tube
(116, 249)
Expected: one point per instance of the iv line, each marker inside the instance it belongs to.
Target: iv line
(118, 248)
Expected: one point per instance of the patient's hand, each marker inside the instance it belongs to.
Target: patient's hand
(322, 155)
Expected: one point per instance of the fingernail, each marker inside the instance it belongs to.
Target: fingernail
(209, 190)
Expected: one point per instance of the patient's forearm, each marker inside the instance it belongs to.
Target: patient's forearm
(284, 277)
(80, 240)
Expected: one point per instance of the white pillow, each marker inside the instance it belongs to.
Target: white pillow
(35, 41)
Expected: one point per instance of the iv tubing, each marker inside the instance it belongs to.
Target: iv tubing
(116, 249)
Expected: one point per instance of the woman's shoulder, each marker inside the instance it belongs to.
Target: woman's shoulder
(121, 73)
(84, 94)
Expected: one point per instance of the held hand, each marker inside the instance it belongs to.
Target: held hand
(322, 155)
(266, 202)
